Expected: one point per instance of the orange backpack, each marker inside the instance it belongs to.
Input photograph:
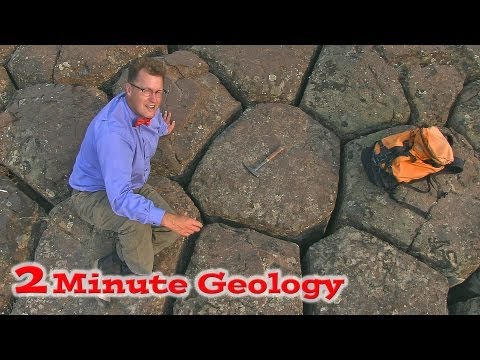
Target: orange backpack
(409, 156)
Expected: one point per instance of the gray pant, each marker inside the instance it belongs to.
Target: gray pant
(138, 243)
(473, 282)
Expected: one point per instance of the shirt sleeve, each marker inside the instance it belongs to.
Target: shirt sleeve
(116, 156)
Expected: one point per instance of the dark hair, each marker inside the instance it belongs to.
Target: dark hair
(152, 66)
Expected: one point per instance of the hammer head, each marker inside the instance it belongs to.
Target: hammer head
(251, 170)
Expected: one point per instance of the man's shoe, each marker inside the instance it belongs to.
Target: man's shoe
(110, 265)
(125, 270)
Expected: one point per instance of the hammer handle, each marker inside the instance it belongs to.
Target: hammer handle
(274, 154)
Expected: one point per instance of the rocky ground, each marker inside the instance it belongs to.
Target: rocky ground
(311, 212)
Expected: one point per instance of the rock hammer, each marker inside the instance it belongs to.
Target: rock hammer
(273, 155)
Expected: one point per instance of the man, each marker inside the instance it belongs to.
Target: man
(110, 173)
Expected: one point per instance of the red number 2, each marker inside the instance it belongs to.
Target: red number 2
(29, 285)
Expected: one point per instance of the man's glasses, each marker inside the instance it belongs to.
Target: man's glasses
(149, 92)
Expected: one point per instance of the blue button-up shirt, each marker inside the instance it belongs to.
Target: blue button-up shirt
(115, 157)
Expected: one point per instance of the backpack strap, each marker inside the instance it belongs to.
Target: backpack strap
(388, 155)
(416, 210)
(453, 168)
(410, 186)
(433, 179)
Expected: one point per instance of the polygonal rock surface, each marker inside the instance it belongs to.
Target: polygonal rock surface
(200, 106)
(465, 117)
(432, 76)
(354, 91)
(472, 63)
(70, 243)
(449, 242)
(422, 55)
(369, 207)
(43, 139)
(463, 57)
(21, 224)
(95, 65)
(256, 74)
(33, 64)
(381, 279)
(294, 194)
(7, 89)
(5, 52)
(241, 252)
(452, 246)
(431, 91)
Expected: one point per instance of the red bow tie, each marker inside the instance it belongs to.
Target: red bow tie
(141, 121)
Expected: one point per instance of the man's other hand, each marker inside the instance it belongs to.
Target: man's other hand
(167, 116)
